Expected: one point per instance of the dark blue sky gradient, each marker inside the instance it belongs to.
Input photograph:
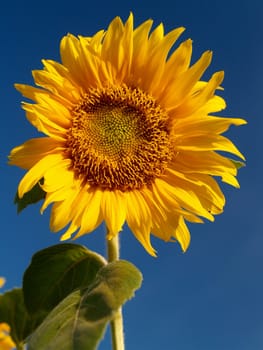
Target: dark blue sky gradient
(209, 298)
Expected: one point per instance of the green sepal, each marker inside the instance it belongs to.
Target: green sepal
(238, 164)
(31, 197)
(13, 312)
(55, 272)
(79, 321)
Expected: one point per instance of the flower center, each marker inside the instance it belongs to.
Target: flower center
(119, 138)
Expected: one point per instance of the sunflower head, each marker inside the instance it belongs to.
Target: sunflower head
(130, 135)
(119, 129)
(2, 281)
(6, 342)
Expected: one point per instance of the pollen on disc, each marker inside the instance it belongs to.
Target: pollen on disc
(119, 138)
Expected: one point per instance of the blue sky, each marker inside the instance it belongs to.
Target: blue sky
(209, 298)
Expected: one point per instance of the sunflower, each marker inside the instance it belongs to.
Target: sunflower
(6, 342)
(2, 281)
(129, 135)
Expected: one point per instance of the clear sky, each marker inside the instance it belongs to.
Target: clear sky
(209, 298)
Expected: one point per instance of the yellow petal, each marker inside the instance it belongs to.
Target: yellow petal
(117, 48)
(60, 86)
(56, 112)
(61, 213)
(92, 63)
(182, 234)
(30, 91)
(58, 176)
(139, 219)
(199, 97)
(203, 186)
(40, 118)
(196, 125)
(186, 198)
(208, 162)
(184, 83)
(72, 229)
(37, 172)
(179, 61)
(72, 59)
(171, 204)
(92, 215)
(56, 196)
(30, 152)
(157, 58)
(208, 142)
(140, 46)
(113, 206)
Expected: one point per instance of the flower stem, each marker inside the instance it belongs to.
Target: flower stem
(20, 346)
(113, 249)
(117, 335)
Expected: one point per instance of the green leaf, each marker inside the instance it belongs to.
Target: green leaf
(117, 281)
(68, 328)
(13, 312)
(79, 321)
(31, 197)
(55, 272)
